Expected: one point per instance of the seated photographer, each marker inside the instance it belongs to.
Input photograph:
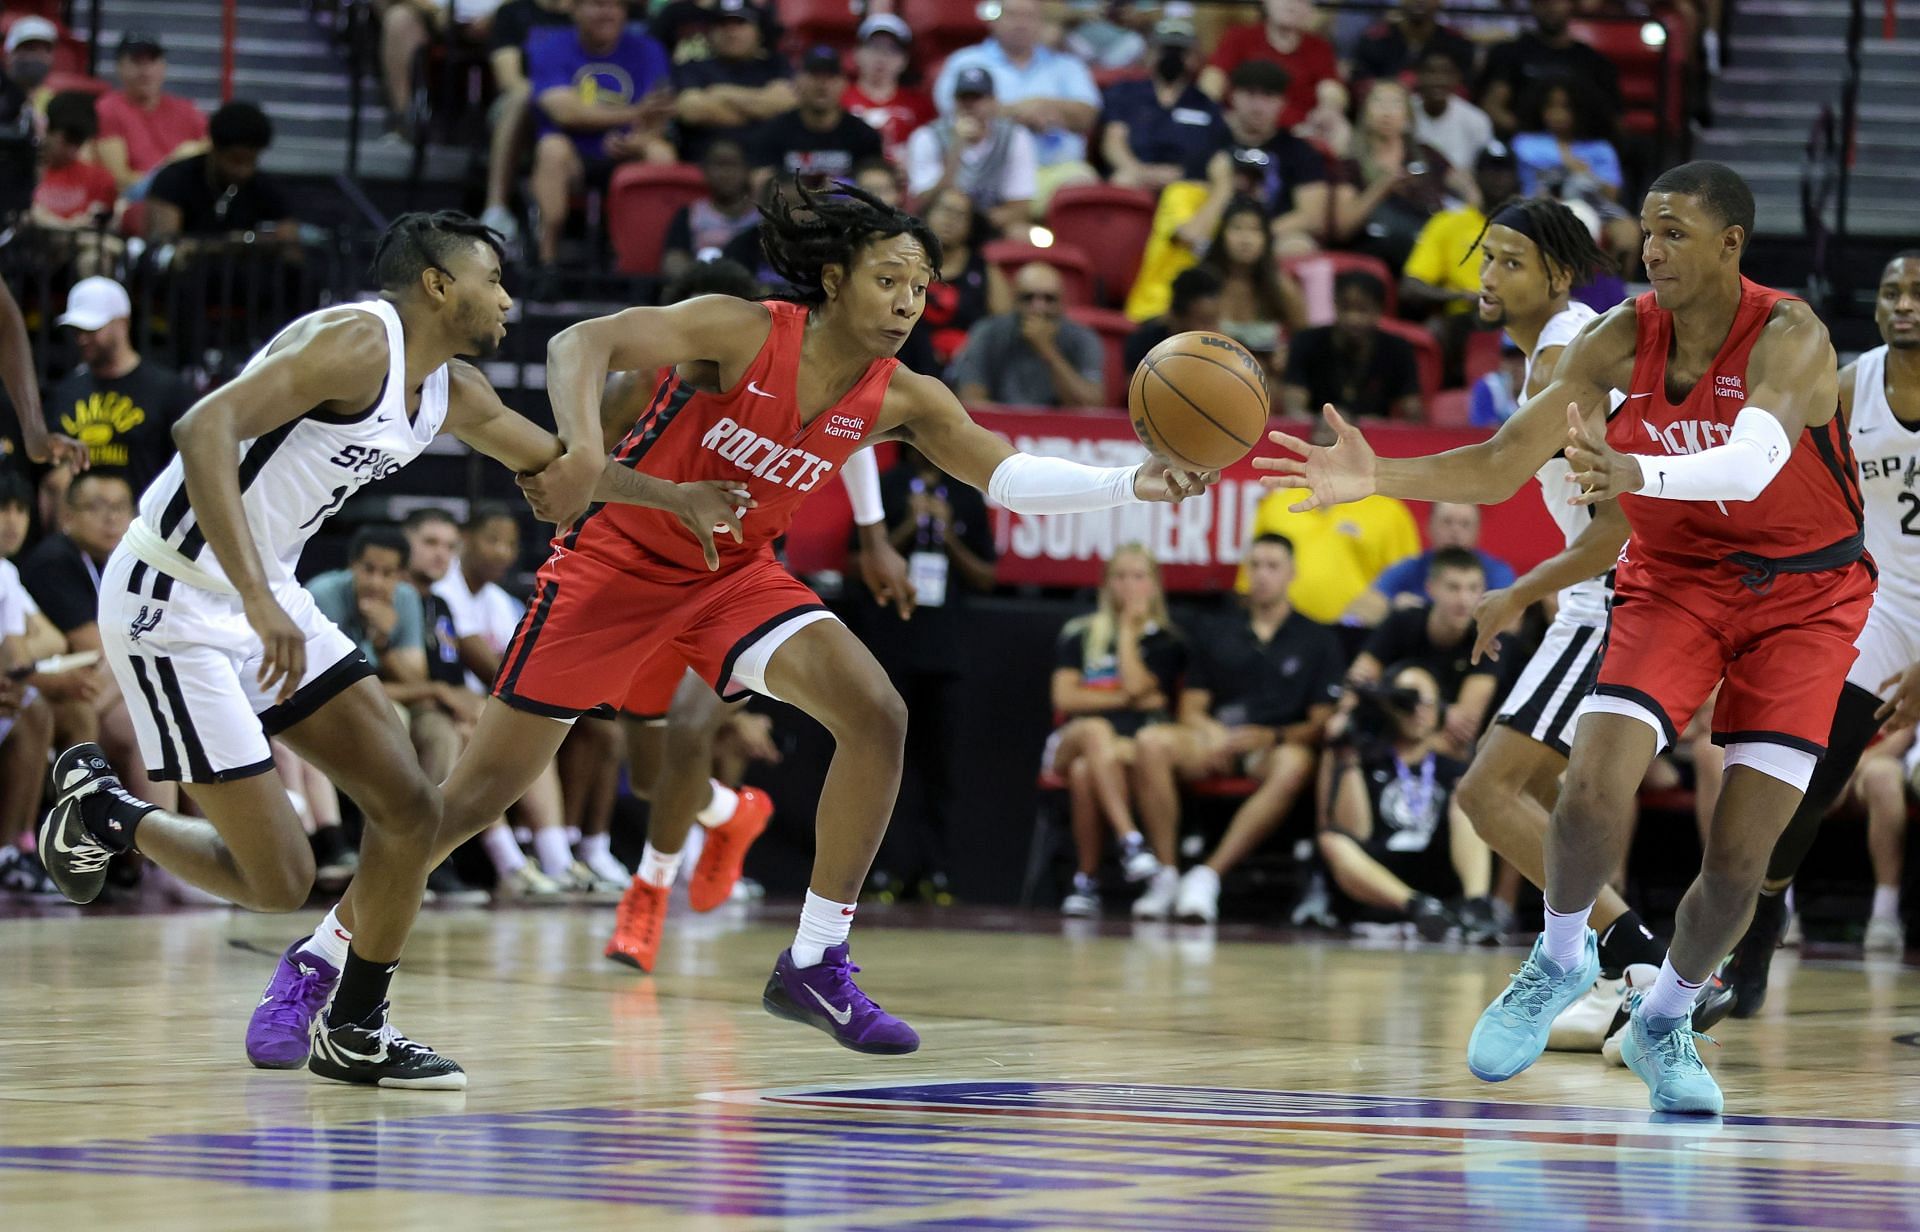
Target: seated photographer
(1262, 686)
(1395, 842)
(1438, 636)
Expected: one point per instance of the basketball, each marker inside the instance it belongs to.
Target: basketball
(1199, 400)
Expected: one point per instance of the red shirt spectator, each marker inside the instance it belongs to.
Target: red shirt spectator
(74, 191)
(150, 125)
(876, 95)
(1282, 38)
(895, 119)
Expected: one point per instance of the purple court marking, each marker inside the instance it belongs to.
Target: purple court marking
(1199, 1174)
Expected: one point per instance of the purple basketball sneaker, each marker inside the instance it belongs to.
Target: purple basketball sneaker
(826, 997)
(301, 985)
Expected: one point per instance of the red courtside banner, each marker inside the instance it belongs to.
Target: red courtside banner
(1198, 543)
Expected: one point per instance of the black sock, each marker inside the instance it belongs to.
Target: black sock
(111, 818)
(1628, 940)
(363, 986)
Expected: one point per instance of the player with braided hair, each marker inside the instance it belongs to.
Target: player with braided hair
(766, 400)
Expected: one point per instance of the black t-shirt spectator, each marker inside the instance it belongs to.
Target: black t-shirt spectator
(791, 148)
(1384, 51)
(1271, 173)
(1185, 135)
(953, 307)
(937, 639)
(1402, 639)
(1162, 650)
(699, 74)
(443, 651)
(126, 422)
(253, 205)
(1389, 374)
(1146, 336)
(64, 581)
(1409, 806)
(1528, 61)
(681, 27)
(13, 103)
(515, 20)
(1271, 684)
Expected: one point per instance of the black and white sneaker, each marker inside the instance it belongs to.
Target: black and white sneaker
(373, 1053)
(22, 875)
(75, 852)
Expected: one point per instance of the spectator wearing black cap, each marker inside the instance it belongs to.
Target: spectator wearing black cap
(123, 406)
(876, 94)
(1196, 305)
(818, 140)
(142, 127)
(222, 191)
(685, 27)
(977, 150)
(1162, 129)
(602, 96)
(731, 92)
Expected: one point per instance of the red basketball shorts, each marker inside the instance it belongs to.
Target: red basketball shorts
(602, 638)
(1783, 654)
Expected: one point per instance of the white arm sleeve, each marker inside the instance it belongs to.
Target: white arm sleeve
(1026, 483)
(1739, 470)
(861, 474)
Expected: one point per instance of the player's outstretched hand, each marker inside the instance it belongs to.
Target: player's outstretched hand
(1902, 710)
(710, 507)
(65, 451)
(283, 662)
(1335, 474)
(1600, 472)
(1156, 481)
(1492, 616)
(886, 574)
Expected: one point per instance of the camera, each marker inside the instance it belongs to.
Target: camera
(1380, 710)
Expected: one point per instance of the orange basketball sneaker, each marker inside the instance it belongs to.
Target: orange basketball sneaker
(636, 924)
(725, 851)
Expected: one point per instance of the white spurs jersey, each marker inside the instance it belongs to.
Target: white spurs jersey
(1889, 456)
(1583, 602)
(298, 475)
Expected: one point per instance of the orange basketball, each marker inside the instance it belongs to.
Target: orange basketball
(1199, 400)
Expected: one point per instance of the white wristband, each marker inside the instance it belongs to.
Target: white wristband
(861, 474)
(1026, 483)
(1739, 470)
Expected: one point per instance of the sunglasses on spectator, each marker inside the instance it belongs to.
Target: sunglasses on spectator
(1038, 297)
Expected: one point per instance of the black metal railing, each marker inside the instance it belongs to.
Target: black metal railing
(1820, 174)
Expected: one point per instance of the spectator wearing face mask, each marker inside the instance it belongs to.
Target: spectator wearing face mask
(1157, 131)
(29, 62)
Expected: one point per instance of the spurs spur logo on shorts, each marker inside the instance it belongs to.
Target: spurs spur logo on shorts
(145, 622)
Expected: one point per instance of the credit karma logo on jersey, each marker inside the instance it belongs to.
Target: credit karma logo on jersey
(1729, 387)
(767, 459)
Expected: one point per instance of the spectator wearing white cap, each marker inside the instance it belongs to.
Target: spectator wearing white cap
(142, 127)
(121, 406)
(876, 95)
(29, 62)
(1049, 93)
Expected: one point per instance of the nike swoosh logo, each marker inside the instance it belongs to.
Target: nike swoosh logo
(1631, 397)
(846, 911)
(753, 387)
(61, 845)
(343, 934)
(843, 1017)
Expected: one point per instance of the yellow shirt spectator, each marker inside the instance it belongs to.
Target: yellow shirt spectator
(1337, 551)
(1439, 256)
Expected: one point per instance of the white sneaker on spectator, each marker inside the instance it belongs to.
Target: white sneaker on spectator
(1139, 865)
(583, 882)
(1083, 899)
(501, 219)
(607, 868)
(1885, 935)
(1793, 937)
(529, 884)
(1157, 902)
(1199, 898)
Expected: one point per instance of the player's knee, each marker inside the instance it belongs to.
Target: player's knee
(286, 884)
(407, 810)
(1153, 746)
(1080, 775)
(1482, 792)
(1733, 875)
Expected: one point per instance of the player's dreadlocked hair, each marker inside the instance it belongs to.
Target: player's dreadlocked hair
(417, 242)
(802, 237)
(1566, 246)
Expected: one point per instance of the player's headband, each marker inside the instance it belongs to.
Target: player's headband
(1517, 219)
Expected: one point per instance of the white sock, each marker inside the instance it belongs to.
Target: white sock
(719, 810)
(658, 867)
(595, 846)
(573, 835)
(1671, 996)
(503, 850)
(1886, 902)
(823, 923)
(330, 940)
(1566, 935)
(550, 844)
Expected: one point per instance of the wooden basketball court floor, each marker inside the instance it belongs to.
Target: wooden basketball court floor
(1105, 1078)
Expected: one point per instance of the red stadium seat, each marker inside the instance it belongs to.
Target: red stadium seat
(1104, 77)
(811, 22)
(1076, 272)
(1316, 272)
(1450, 408)
(1483, 353)
(1113, 328)
(1640, 69)
(642, 199)
(941, 27)
(1426, 353)
(1112, 225)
